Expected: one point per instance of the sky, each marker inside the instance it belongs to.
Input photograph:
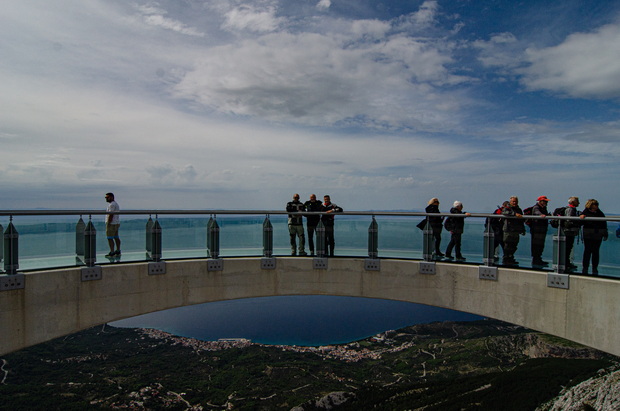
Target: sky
(227, 104)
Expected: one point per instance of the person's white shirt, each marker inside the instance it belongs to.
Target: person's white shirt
(113, 206)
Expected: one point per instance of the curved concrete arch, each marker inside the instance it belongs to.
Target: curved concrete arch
(54, 303)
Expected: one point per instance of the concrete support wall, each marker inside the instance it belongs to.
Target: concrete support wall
(56, 302)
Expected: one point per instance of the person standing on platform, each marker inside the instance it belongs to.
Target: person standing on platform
(436, 225)
(112, 224)
(571, 230)
(455, 225)
(328, 222)
(312, 205)
(594, 233)
(296, 225)
(497, 225)
(513, 227)
(538, 231)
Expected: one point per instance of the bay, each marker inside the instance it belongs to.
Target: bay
(293, 320)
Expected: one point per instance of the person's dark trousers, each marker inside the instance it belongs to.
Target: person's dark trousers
(570, 243)
(311, 231)
(591, 249)
(329, 240)
(455, 243)
(498, 240)
(511, 242)
(538, 245)
(437, 236)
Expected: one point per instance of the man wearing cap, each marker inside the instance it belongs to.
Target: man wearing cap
(538, 230)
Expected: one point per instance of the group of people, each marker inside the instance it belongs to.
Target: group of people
(453, 225)
(507, 231)
(296, 226)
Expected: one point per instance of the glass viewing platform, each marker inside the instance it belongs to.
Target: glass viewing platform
(36, 240)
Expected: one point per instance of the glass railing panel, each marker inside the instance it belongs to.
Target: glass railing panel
(49, 241)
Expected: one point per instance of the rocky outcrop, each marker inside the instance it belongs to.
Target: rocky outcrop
(538, 347)
(601, 393)
(327, 402)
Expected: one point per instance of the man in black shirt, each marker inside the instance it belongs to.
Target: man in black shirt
(312, 220)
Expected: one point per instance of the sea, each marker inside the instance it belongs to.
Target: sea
(283, 320)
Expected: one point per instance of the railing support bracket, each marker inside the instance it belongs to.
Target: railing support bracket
(372, 264)
(91, 273)
(487, 273)
(319, 263)
(427, 267)
(268, 263)
(215, 264)
(556, 280)
(156, 268)
(12, 282)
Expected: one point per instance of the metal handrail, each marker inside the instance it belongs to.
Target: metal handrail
(281, 212)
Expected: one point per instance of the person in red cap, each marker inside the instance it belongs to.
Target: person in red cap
(538, 231)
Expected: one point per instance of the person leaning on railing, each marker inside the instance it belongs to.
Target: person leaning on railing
(513, 227)
(570, 229)
(436, 225)
(594, 233)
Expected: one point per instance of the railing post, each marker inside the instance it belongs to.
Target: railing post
(213, 238)
(372, 262)
(155, 253)
(428, 246)
(320, 240)
(1, 248)
(11, 248)
(488, 252)
(267, 238)
(148, 236)
(90, 243)
(559, 250)
(80, 226)
(373, 239)
(488, 271)
(267, 262)
(209, 224)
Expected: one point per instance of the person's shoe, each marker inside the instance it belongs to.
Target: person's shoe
(544, 262)
(439, 254)
(571, 266)
(510, 261)
(110, 254)
(293, 253)
(117, 252)
(460, 258)
(303, 253)
(595, 271)
(448, 257)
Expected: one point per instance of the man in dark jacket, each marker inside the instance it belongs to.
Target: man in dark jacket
(538, 231)
(513, 227)
(312, 205)
(570, 228)
(328, 222)
(296, 225)
(455, 225)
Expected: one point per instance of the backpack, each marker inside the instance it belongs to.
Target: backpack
(528, 211)
(496, 223)
(560, 212)
(449, 224)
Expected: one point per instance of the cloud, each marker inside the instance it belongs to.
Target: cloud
(153, 15)
(585, 65)
(363, 75)
(323, 4)
(501, 50)
(252, 18)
